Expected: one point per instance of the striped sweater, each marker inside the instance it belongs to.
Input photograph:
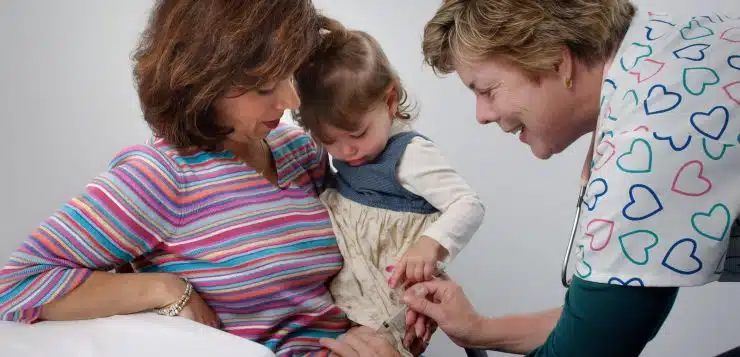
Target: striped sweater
(259, 255)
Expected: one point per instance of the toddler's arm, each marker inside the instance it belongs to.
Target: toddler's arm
(424, 171)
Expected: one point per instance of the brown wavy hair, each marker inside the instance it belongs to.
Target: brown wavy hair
(344, 78)
(193, 51)
(528, 33)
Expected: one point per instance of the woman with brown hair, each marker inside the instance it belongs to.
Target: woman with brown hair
(222, 204)
(660, 99)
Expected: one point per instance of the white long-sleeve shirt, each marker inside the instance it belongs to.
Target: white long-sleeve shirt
(424, 171)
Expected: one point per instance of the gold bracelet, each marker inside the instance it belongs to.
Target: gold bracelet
(177, 306)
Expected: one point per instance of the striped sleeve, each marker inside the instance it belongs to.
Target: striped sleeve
(317, 164)
(309, 160)
(321, 353)
(122, 213)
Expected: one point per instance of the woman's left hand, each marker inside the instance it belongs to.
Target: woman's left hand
(419, 330)
(360, 341)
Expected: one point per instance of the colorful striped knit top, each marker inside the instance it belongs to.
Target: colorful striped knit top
(259, 255)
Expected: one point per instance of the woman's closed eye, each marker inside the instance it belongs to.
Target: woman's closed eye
(265, 91)
(487, 92)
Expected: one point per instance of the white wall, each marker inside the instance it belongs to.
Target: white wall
(67, 104)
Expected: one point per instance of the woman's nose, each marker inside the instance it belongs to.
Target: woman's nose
(287, 97)
(484, 112)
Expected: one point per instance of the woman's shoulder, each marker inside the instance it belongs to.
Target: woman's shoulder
(155, 152)
(169, 160)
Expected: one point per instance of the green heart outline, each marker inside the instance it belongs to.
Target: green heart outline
(650, 52)
(583, 260)
(709, 155)
(704, 85)
(646, 249)
(634, 96)
(689, 27)
(632, 147)
(709, 214)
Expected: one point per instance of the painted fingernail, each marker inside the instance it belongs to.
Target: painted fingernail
(389, 268)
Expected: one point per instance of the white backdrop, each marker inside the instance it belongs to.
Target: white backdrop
(67, 105)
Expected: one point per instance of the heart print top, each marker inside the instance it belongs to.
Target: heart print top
(662, 202)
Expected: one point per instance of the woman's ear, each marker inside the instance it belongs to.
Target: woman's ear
(565, 67)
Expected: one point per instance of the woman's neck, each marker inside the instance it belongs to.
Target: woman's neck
(588, 94)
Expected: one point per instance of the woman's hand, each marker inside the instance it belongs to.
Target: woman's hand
(196, 309)
(446, 304)
(360, 342)
(419, 329)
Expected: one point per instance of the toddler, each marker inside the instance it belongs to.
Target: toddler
(396, 205)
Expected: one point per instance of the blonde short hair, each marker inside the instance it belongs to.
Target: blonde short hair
(528, 33)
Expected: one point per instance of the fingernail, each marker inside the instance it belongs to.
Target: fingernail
(389, 268)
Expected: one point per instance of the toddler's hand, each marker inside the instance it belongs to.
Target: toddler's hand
(418, 263)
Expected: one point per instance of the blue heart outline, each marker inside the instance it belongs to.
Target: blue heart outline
(650, 29)
(729, 61)
(692, 255)
(703, 55)
(617, 281)
(632, 202)
(665, 93)
(611, 81)
(664, 21)
(597, 195)
(707, 114)
(672, 143)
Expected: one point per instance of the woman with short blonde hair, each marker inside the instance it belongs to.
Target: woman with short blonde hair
(660, 99)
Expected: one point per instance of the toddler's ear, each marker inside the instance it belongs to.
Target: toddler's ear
(392, 101)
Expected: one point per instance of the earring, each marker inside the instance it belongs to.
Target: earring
(568, 83)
